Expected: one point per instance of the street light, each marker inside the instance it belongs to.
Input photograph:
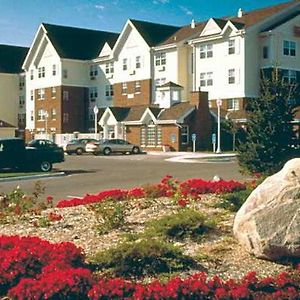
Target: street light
(219, 104)
(96, 110)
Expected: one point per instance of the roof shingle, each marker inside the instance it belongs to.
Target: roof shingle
(11, 58)
(176, 111)
(78, 43)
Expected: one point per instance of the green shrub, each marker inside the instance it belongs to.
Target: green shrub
(141, 258)
(110, 214)
(234, 201)
(187, 223)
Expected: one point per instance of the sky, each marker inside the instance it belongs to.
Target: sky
(20, 19)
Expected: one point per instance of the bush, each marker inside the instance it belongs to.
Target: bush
(187, 223)
(143, 257)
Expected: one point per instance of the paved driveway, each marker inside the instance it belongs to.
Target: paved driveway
(91, 174)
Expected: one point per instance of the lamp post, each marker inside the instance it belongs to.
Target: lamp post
(96, 110)
(219, 104)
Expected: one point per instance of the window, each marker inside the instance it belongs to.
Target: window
(65, 118)
(53, 70)
(53, 92)
(124, 88)
(109, 68)
(109, 91)
(21, 101)
(151, 136)
(21, 82)
(206, 51)
(93, 93)
(231, 76)
(31, 115)
(31, 74)
(41, 115)
(289, 48)
(53, 114)
(125, 64)
(93, 71)
(289, 76)
(21, 118)
(160, 59)
(231, 46)
(41, 94)
(160, 81)
(184, 134)
(233, 104)
(66, 95)
(65, 73)
(138, 62)
(32, 95)
(265, 52)
(41, 72)
(206, 79)
(137, 87)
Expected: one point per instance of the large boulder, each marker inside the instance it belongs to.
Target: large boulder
(268, 224)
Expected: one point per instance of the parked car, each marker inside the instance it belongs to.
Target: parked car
(38, 154)
(77, 146)
(111, 146)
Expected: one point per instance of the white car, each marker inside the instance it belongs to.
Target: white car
(111, 146)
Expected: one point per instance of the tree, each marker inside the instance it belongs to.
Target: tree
(269, 130)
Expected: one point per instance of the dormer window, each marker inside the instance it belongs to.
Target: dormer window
(231, 47)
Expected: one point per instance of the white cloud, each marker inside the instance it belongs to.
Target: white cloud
(161, 1)
(186, 10)
(100, 7)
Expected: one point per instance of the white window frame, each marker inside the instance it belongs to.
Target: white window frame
(93, 92)
(93, 71)
(31, 74)
(231, 47)
(161, 59)
(206, 79)
(290, 76)
(233, 104)
(125, 64)
(232, 76)
(53, 92)
(41, 94)
(124, 88)
(289, 48)
(109, 91)
(41, 72)
(185, 134)
(138, 60)
(53, 114)
(41, 115)
(137, 87)
(206, 51)
(160, 81)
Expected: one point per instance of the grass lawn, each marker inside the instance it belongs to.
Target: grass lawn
(7, 174)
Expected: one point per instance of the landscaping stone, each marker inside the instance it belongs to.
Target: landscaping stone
(268, 224)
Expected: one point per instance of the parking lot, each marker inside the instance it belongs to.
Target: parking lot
(91, 174)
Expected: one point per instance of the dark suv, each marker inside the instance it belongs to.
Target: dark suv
(39, 155)
(77, 146)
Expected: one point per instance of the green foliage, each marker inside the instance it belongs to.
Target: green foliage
(110, 214)
(142, 258)
(233, 201)
(16, 204)
(187, 223)
(269, 133)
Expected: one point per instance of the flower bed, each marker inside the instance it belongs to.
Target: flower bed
(31, 268)
(168, 187)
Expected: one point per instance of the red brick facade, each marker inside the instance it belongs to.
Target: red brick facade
(132, 97)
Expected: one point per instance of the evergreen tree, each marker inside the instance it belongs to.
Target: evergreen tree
(269, 131)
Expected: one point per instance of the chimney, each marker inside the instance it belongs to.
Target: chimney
(240, 13)
(193, 24)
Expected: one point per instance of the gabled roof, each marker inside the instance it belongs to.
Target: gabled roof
(176, 111)
(154, 33)
(4, 124)
(295, 14)
(120, 113)
(169, 85)
(255, 16)
(78, 43)
(11, 58)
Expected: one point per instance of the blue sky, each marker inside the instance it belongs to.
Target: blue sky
(19, 19)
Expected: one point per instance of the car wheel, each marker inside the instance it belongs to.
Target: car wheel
(45, 166)
(135, 150)
(96, 153)
(106, 151)
(69, 153)
(79, 151)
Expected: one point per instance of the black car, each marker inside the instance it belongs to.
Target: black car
(77, 146)
(38, 155)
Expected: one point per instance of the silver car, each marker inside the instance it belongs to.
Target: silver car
(111, 146)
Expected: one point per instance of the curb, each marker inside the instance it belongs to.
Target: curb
(17, 178)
